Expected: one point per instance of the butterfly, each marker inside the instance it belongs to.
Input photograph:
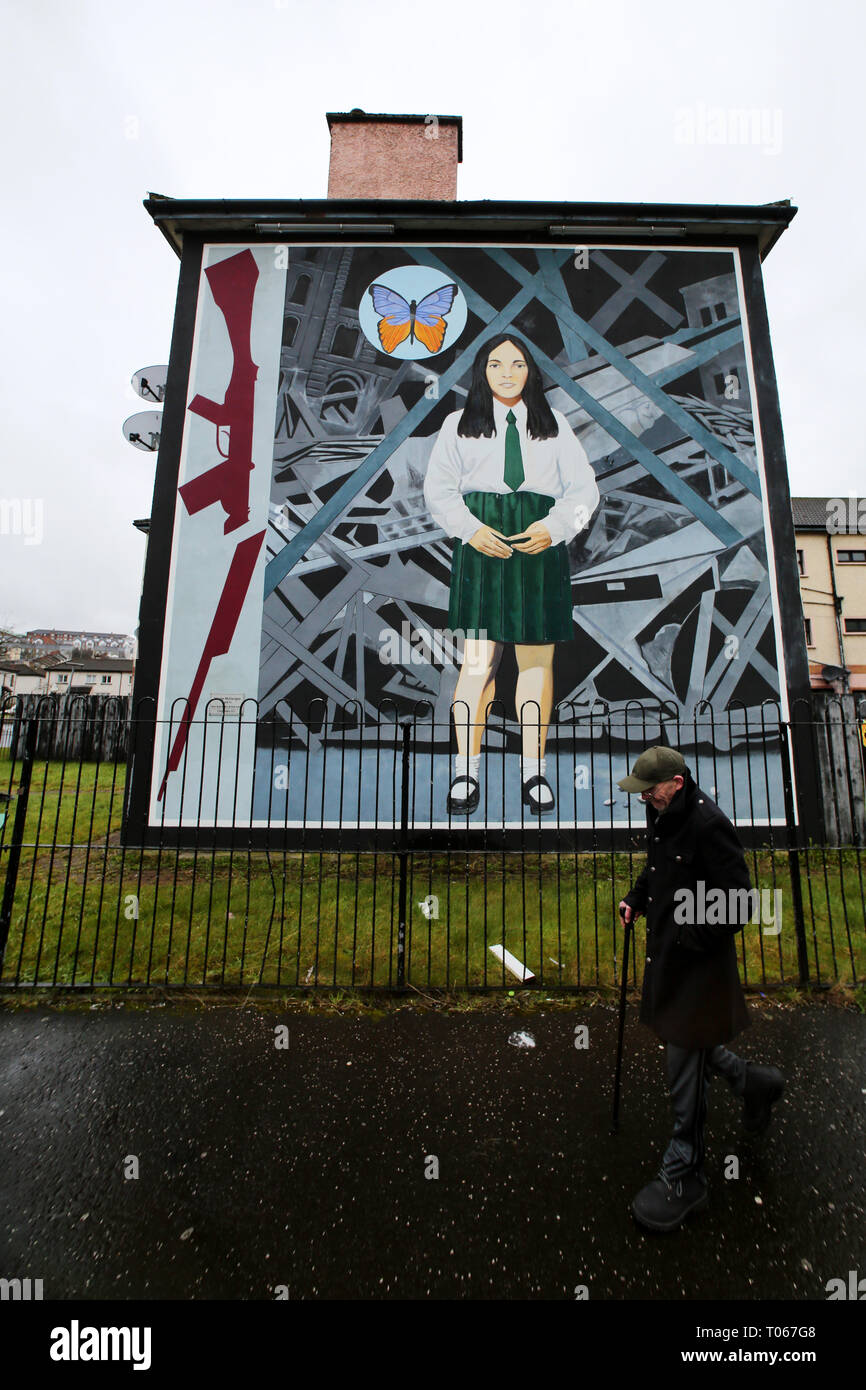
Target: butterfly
(398, 319)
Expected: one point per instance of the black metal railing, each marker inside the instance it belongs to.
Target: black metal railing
(318, 850)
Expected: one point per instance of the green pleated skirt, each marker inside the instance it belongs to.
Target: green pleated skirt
(526, 598)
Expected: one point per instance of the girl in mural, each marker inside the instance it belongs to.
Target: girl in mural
(509, 481)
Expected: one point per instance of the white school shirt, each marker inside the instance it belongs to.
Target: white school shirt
(554, 467)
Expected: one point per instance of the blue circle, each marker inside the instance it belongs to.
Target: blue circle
(413, 282)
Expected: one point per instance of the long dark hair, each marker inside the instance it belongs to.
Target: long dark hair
(477, 417)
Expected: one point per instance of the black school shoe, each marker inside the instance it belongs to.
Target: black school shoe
(664, 1203)
(764, 1086)
(467, 801)
(537, 807)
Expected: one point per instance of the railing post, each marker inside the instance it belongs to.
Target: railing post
(793, 835)
(403, 857)
(17, 834)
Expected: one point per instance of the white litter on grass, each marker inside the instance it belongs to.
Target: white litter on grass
(512, 963)
(309, 973)
(522, 1040)
(553, 962)
(612, 802)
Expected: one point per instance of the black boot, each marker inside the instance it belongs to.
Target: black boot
(764, 1086)
(664, 1203)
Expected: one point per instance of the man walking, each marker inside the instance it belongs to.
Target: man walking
(692, 997)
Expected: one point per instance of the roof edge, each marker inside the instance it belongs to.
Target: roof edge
(763, 222)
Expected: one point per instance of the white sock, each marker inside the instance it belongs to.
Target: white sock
(532, 767)
(467, 767)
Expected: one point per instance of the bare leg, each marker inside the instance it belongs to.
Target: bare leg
(474, 693)
(535, 691)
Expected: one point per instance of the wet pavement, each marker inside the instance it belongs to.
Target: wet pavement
(412, 1153)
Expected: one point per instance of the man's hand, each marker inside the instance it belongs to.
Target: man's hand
(533, 540)
(627, 913)
(490, 542)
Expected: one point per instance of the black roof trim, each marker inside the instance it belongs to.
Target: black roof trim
(430, 221)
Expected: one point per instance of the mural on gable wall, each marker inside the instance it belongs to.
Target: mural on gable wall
(634, 531)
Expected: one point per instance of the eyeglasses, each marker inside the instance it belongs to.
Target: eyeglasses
(651, 791)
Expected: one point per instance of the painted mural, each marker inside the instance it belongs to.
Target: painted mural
(505, 489)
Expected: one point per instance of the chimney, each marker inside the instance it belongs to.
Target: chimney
(383, 156)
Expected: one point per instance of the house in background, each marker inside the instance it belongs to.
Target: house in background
(91, 675)
(40, 640)
(53, 676)
(20, 678)
(832, 565)
(54, 662)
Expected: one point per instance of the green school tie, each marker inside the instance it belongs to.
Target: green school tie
(514, 474)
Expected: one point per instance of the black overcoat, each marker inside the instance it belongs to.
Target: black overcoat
(691, 989)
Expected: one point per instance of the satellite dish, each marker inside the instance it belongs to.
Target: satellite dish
(143, 430)
(149, 383)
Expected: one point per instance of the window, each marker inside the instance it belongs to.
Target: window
(301, 290)
(90, 679)
(721, 311)
(801, 562)
(62, 680)
(345, 341)
(706, 316)
(808, 625)
(851, 557)
(855, 625)
(105, 680)
(289, 330)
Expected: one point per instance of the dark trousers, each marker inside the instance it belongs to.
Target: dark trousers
(689, 1075)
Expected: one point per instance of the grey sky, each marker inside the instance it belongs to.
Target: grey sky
(103, 101)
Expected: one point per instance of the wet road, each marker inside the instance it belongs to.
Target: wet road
(311, 1169)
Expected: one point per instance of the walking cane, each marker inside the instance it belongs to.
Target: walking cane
(627, 926)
